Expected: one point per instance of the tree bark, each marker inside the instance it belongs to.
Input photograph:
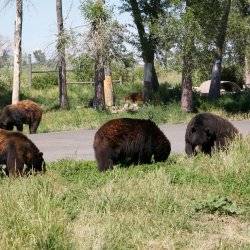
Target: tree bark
(187, 67)
(99, 101)
(214, 91)
(63, 97)
(17, 51)
(151, 83)
(187, 91)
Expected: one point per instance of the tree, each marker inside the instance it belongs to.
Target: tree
(146, 14)
(103, 41)
(63, 97)
(17, 51)
(214, 91)
(187, 59)
(244, 6)
(40, 56)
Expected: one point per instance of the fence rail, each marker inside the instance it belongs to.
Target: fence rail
(31, 72)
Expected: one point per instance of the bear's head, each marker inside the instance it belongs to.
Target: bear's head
(38, 163)
(5, 120)
(201, 137)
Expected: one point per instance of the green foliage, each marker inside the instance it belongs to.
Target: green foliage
(44, 81)
(221, 205)
(94, 11)
(233, 73)
(83, 67)
(40, 56)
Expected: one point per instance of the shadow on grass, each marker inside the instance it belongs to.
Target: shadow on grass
(231, 102)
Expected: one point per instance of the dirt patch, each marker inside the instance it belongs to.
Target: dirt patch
(214, 231)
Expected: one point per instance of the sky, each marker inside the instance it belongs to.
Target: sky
(39, 23)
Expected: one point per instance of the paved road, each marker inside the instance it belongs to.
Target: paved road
(78, 144)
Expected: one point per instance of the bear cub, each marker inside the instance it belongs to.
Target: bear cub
(129, 141)
(24, 112)
(206, 131)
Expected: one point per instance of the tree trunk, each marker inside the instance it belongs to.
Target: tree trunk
(108, 88)
(17, 51)
(187, 91)
(99, 101)
(63, 97)
(187, 67)
(214, 91)
(151, 83)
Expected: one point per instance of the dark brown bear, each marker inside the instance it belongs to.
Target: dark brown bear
(16, 150)
(24, 112)
(129, 141)
(135, 97)
(207, 131)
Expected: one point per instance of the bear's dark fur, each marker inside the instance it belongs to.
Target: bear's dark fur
(129, 141)
(24, 112)
(16, 150)
(206, 131)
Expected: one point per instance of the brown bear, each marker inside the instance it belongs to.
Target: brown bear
(135, 97)
(129, 141)
(24, 112)
(16, 151)
(206, 131)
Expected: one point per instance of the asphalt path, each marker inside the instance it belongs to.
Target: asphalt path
(79, 144)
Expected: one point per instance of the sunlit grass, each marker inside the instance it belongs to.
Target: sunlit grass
(165, 108)
(74, 206)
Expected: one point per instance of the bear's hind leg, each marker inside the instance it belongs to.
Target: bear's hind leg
(14, 164)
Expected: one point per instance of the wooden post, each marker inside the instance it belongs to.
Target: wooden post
(30, 70)
(247, 73)
(108, 88)
(120, 79)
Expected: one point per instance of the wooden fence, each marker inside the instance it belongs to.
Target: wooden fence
(31, 72)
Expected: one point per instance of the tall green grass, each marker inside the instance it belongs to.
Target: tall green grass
(184, 203)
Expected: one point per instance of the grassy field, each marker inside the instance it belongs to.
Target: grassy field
(184, 203)
(165, 108)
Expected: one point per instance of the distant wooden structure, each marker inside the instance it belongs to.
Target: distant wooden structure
(31, 72)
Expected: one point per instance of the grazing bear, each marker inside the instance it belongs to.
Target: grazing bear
(206, 131)
(135, 97)
(129, 141)
(16, 150)
(24, 112)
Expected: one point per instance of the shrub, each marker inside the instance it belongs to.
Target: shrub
(44, 81)
(83, 67)
(232, 73)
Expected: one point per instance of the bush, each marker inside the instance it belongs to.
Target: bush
(83, 67)
(44, 81)
(233, 74)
